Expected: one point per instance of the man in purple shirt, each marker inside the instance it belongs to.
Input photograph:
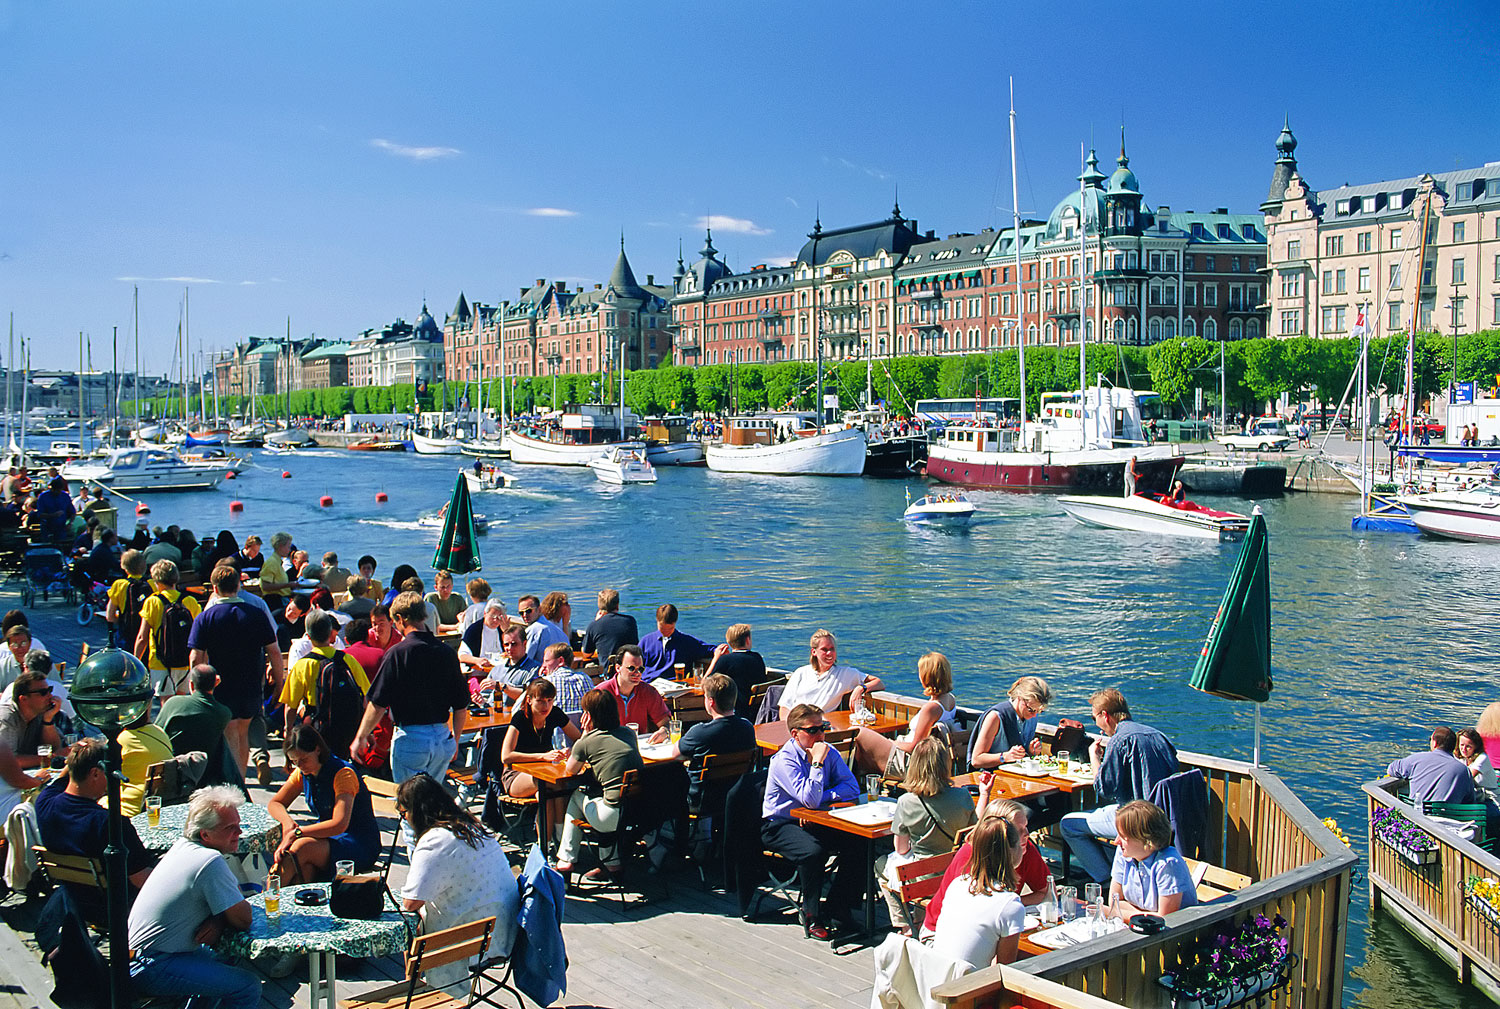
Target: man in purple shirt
(807, 772)
(1436, 775)
(666, 646)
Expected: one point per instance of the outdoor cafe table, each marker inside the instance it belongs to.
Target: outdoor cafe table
(873, 829)
(772, 736)
(259, 831)
(552, 779)
(312, 929)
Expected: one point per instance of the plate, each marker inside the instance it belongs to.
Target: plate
(867, 814)
(1017, 767)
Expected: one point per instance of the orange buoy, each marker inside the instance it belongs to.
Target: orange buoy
(381, 497)
(236, 506)
(142, 508)
(230, 475)
(325, 501)
(285, 475)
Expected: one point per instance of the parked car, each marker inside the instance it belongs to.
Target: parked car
(1266, 434)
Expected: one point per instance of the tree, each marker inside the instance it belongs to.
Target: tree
(1265, 369)
(711, 387)
(674, 389)
(1179, 365)
(960, 377)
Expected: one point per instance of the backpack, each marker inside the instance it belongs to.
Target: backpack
(170, 637)
(137, 591)
(340, 704)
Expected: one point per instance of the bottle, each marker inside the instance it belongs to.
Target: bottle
(1048, 906)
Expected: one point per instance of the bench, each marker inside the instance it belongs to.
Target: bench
(1214, 882)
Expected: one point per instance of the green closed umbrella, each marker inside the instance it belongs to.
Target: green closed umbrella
(458, 549)
(1236, 659)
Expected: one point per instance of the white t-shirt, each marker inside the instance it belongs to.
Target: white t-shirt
(806, 687)
(189, 884)
(971, 925)
(1485, 779)
(461, 884)
(489, 643)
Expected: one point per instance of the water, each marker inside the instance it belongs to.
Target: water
(1375, 638)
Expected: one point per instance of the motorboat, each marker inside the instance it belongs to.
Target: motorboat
(282, 448)
(1081, 444)
(484, 448)
(623, 466)
(212, 455)
(208, 436)
(378, 445)
(488, 478)
(1472, 515)
(942, 508)
(574, 436)
(787, 444)
(481, 524)
(426, 444)
(672, 441)
(294, 437)
(145, 469)
(1156, 513)
(248, 435)
(57, 453)
(892, 448)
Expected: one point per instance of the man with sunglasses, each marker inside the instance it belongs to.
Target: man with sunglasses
(807, 772)
(27, 711)
(540, 632)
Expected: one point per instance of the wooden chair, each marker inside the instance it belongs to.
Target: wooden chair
(633, 795)
(758, 696)
(382, 795)
(461, 943)
(715, 774)
(842, 740)
(84, 872)
(1214, 882)
(156, 779)
(918, 882)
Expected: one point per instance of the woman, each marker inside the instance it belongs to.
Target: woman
(1489, 727)
(225, 549)
(458, 872)
(1007, 732)
(982, 915)
(529, 737)
(877, 754)
(823, 681)
(1149, 876)
(929, 816)
(337, 796)
(398, 578)
(609, 751)
(1472, 751)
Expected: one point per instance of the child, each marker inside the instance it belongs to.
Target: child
(1149, 876)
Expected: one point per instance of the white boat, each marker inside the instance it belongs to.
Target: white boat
(145, 469)
(489, 478)
(281, 448)
(623, 466)
(484, 448)
(672, 441)
(943, 508)
(248, 435)
(428, 445)
(779, 444)
(1155, 514)
(212, 456)
(291, 436)
(481, 524)
(573, 437)
(1472, 515)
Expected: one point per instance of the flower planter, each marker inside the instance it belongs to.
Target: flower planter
(1197, 998)
(1239, 991)
(1485, 910)
(1415, 857)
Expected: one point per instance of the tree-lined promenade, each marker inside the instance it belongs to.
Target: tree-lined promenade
(1309, 369)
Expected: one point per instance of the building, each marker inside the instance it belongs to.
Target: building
(1335, 252)
(249, 369)
(402, 352)
(324, 366)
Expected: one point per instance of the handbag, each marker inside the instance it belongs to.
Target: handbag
(360, 897)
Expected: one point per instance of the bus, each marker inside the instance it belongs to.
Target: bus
(945, 411)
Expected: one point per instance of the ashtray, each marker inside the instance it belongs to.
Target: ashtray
(311, 898)
(478, 709)
(1147, 924)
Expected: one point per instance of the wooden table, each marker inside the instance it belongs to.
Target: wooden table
(772, 736)
(1068, 786)
(552, 776)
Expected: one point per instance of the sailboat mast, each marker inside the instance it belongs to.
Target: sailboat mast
(1015, 208)
(114, 371)
(81, 421)
(1083, 256)
(10, 369)
(135, 311)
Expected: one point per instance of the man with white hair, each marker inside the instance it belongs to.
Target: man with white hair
(189, 903)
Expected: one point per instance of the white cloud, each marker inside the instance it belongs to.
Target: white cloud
(550, 212)
(735, 225)
(874, 173)
(414, 153)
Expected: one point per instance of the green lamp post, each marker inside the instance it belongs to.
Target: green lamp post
(112, 690)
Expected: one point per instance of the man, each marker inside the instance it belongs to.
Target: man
(724, 732)
(383, 633)
(359, 603)
(291, 622)
(808, 772)
(104, 560)
(274, 580)
(735, 660)
(666, 646)
(446, 605)
(571, 684)
(356, 634)
(610, 629)
(300, 692)
(479, 596)
(1130, 477)
(540, 632)
(335, 577)
(55, 506)
(1135, 758)
(195, 721)
(237, 640)
(639, 701)
(18, 642)
(484, 639)
(27, 711)
(1436, 775)
(188, 903)
(152, 638)
(71, 821)
(165, 547)
(126, 597)
(420, 684)
(516, 668)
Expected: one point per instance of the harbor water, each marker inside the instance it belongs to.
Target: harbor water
(1376, 637)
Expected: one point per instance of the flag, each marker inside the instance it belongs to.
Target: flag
(1236, 659)
(1362, 325)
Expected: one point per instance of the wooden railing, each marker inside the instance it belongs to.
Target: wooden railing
(1257, 827)
(1429, 899)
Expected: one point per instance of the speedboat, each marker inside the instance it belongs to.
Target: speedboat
(1472, 515)
(623, 466)
(779, 445)
(943, 508)
(213, 456)
(425, 444)
(484, 448)
(1156, 513)
(145, 469)
(378, 445)
(488, 478)
(481, 524)
(293, 437)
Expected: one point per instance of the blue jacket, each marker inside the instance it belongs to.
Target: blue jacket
(1135, 759)
(540, 958)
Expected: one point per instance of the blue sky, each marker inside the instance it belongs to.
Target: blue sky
(336, 162)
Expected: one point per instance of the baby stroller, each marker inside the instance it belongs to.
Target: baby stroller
(46, 571)
(93, 596)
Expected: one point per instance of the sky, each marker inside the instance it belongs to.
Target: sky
(334, 164)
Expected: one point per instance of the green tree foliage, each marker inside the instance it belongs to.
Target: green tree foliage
(711, 387)
(1179, 365)
(961, 377)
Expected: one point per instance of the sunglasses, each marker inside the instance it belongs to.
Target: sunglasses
(37, 693)
(814, 730)
(528, 611)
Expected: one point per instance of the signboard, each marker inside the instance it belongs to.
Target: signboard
(1463, 392)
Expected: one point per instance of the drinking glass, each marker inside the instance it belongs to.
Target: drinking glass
(635, 730)
(273, 901)
(1067, 902)
(44, 755)
(678, 671)
(1062, 761)
(872, 786)
(674, 729)
(344, 867)
(153, 810)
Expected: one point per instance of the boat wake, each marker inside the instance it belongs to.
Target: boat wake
(412, 524)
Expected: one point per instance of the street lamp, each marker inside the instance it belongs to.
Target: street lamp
(112, 690)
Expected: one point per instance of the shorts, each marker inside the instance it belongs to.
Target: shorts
(507, 777)
(895, 764)
(242, 700)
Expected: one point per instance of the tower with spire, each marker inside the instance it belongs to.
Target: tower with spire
(1285, 168)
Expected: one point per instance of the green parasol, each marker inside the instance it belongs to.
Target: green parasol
(1236, 659)
(457, 550)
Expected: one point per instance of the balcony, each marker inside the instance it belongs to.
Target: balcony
(1240, 308)
(689, 343)
(769, 337)
(931, 294)
(768, 314)
(1122, 273)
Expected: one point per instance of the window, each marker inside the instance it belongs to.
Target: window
(1210, 264)
(1154, 295)
(1458, 313)
(1364, 278)
(1458, 231)
(1005, 304)
(1289, 323)
(1291, 285)
(1210, 329)
(1458, 270)
(1495, 311)
(1396, 201)
(1155, 262)
(1211, 295)
(1333, 245)
(1395, 278)
(1169, 263)
(1294, 249)
(1368, 204)
(1393, 316)
(1427, 269)
(1341, 208)
(1327, 281)
(1465, 192)
(1234, 265)
(1199, 231)
(1396, 239)
(1190, 295)
(1497, 267)
(1362, 242)
(1169, 294)
(1247, 231)
(1189, 262)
